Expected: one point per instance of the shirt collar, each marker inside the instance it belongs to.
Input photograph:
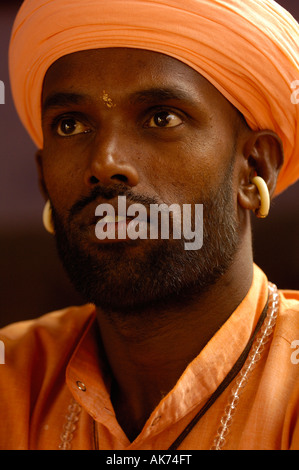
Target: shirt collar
(88, 376)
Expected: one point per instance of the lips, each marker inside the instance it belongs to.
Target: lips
(87, 216)
(113, 224)
(110, 219)
(117, 219)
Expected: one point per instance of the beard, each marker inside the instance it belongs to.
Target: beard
(137, 275)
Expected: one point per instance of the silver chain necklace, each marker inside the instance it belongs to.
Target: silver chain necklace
(241, 379)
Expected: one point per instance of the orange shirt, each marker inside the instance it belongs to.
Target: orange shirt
(54, 385)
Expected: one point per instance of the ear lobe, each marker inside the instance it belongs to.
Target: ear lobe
(263, 153)
(41, 181)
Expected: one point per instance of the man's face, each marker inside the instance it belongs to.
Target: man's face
(146, 126)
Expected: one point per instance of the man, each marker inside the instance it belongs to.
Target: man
(157, 103)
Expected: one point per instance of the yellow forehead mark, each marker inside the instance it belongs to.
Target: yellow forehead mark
(107, 101)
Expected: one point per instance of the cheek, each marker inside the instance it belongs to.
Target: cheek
(194, 170)
(63, 178)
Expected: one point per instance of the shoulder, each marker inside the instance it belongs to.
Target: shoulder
(288, 319)
(284, 346)
(32, 372)
(285, 366)
(52, 334)
(70, 317)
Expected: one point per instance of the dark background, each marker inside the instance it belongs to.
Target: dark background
(31, 278)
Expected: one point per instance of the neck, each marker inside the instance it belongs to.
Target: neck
(148, 353)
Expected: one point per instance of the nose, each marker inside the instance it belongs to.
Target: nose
(108, 163)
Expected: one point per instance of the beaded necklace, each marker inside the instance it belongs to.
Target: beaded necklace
(241, 371)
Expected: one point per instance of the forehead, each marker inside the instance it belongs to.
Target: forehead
(112, 61)
(123, 71)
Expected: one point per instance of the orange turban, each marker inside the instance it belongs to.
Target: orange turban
(248, 49)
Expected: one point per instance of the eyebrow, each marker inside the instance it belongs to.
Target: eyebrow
(59, 100)
(62, 99)
(160, 94)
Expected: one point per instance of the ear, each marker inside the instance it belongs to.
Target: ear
(41, 181)
(263, 156)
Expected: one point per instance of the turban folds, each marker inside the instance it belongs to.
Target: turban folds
(248, 49)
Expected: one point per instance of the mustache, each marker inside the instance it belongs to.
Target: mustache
(107, 193)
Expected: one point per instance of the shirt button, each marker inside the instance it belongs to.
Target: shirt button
(81, 386)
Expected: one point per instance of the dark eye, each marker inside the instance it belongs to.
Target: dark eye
(71, 126)
(164, 119)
